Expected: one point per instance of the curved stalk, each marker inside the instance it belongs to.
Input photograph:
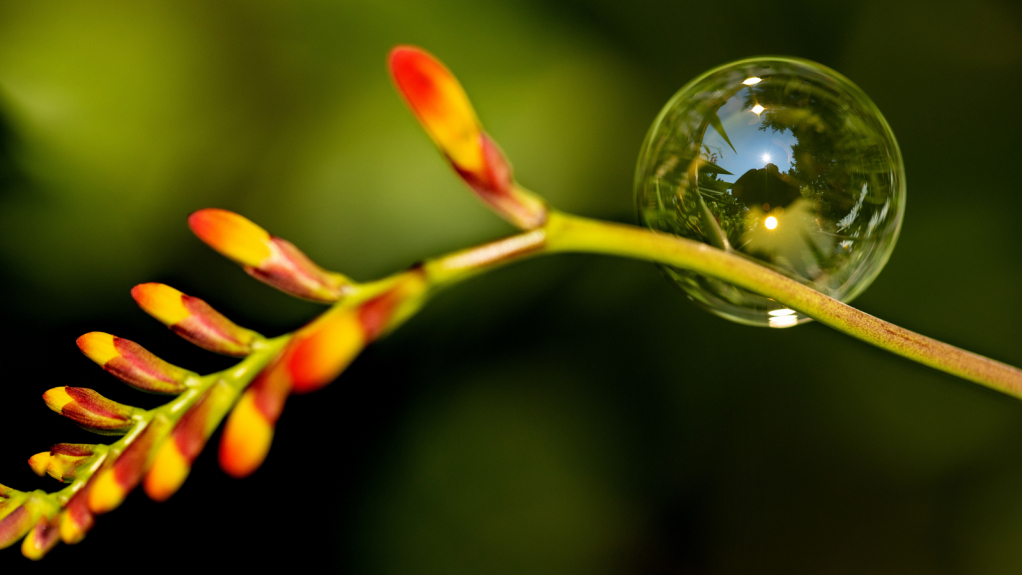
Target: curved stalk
(567, 233)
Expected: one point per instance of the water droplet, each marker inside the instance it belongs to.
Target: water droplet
(780, 160)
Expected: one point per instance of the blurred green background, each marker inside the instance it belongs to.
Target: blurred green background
(566, 415)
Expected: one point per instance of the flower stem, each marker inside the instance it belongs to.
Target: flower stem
(567, 233)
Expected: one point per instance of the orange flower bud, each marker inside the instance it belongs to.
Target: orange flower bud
(194, 320)
(441, 106)
(324, 348)
(246, 438)
(169, 471)
(269, 259)
(321, 350)
(133, 364)
(76, 520)
(174, 458)
(113, 483)
(41, 539)
(91, 410)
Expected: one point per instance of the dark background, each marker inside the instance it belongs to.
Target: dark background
(567, 415)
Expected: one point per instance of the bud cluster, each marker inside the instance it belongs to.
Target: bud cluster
(158, 447)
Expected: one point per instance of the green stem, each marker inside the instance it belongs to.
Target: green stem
(566, 233)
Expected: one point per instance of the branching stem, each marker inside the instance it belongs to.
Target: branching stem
(564, 233)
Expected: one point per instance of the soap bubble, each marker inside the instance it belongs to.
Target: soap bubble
(780, 160)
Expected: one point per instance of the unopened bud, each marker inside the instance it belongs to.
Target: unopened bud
(62, 460)
(41, 539)
(442, 107)
(16, 518)
(113, 483)
(194, 320)
(77, 520)
(91, 410)
(133, 364)
(173, 460)
(269, 259)
(248, 432)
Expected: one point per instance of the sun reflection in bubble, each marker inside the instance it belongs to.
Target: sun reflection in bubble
(783, 320)
(752, 81)
(757, 109)
(770, 223)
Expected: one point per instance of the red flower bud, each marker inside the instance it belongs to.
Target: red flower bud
(441, 106)
(269, 259)
(91, 410)
(194, 320)
(133, 365)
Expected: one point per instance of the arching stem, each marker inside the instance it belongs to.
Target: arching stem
(566, 233)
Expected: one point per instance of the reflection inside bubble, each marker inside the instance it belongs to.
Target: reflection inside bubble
(782, 161)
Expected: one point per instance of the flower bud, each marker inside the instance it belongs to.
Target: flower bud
(324, 348)
(77, 520)
(194, 320)
(133, 364)
(16, 518)
(41, 539)
(269, 259)
(39, 462)
(91, 410)
(249, 429)
(62, 461)
(174, 458)
(113, 483)
(441, 106)
(320, 351)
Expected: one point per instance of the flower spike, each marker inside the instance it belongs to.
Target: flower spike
(194, 320)
(91, 410)
(442, 107)
(133, 364)
(269, 259)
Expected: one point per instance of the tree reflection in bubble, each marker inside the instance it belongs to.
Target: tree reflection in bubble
(783, 161)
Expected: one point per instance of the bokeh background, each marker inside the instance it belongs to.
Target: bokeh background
(567, 415)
